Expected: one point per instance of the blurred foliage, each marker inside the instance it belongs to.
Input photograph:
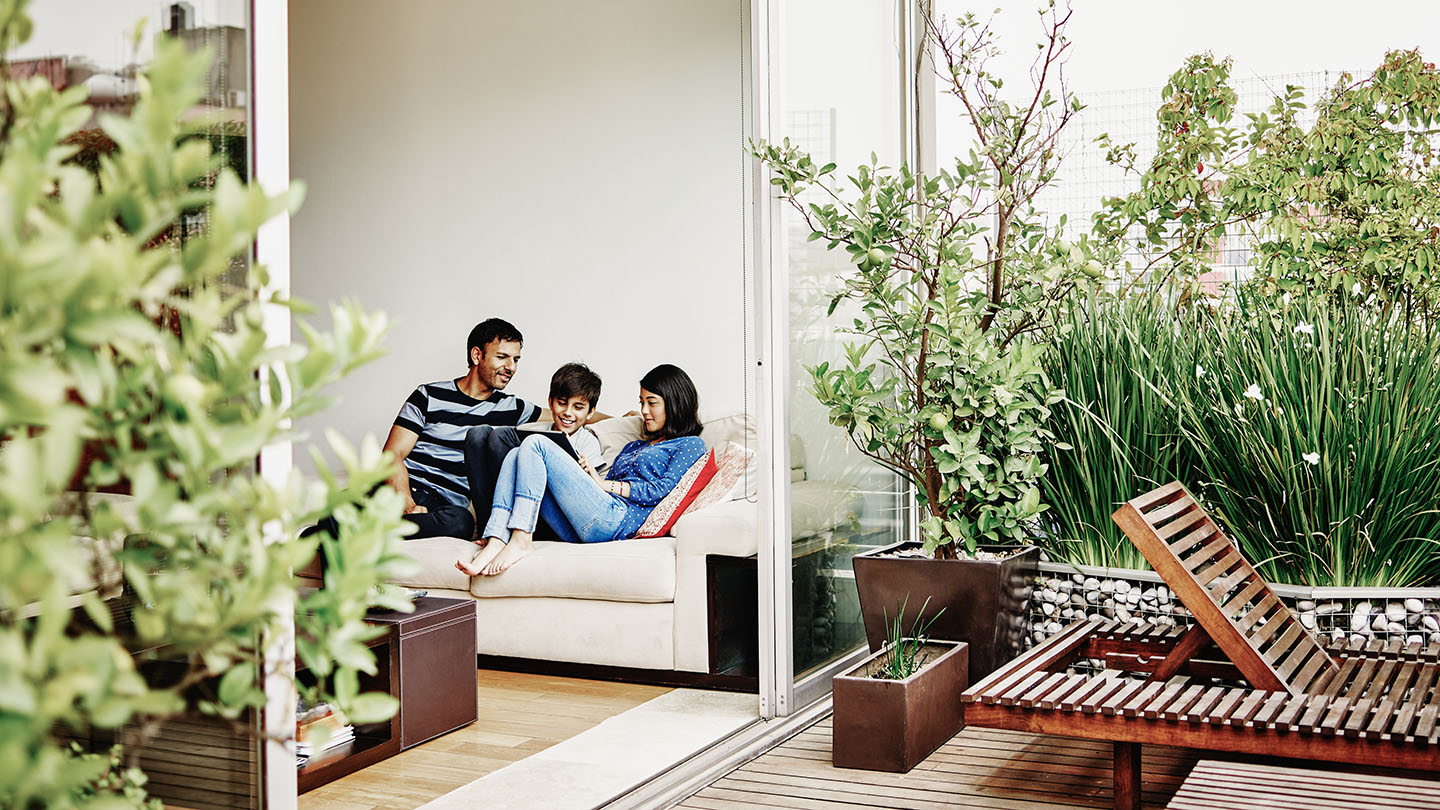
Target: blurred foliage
(126, 365)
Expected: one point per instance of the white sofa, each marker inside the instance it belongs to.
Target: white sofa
(639, 603)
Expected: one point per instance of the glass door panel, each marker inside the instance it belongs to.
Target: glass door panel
(843, 85)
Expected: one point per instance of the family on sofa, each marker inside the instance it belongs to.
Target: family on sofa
(458, 445)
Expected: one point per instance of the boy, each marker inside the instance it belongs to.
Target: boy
(574, 393)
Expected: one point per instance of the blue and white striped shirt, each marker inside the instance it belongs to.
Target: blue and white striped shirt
(441, 414)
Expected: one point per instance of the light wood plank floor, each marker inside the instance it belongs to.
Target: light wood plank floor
(519, 715)
(979, 768)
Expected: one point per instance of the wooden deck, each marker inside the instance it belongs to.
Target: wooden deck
(979, 768)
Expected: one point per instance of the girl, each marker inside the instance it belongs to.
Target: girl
(538, 478)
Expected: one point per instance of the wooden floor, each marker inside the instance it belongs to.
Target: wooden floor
(980, 768)
(519, 715)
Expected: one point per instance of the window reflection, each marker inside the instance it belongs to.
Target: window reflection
(842, 90)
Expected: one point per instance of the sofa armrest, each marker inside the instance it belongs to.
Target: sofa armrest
(727, 527)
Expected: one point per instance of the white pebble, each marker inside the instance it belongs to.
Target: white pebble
(1305, 604)
(1360, 617)
(1307, 620)
(1123, 615)
(1077, 578)
(1395, 612)
(1414, 640)
(1121, 586)
(1132, 598)
(1357, 639)
(1329, 608)
(1148, 595)
(1380, 624)
(1067, 612)
(1048, 608)
(1435, 638)
(1093, 597)
(1091, 583)
(1429, 622)
(1414, 605)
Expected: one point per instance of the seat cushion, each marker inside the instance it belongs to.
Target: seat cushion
(641, 570)
(817, 506)
(621, 571)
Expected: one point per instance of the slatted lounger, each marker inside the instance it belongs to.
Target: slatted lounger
(1247, 677)
(1243, 786)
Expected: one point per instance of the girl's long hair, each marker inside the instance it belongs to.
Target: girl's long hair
(682, 402)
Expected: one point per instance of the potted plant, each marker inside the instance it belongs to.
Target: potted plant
(899, 705)
(954, 287)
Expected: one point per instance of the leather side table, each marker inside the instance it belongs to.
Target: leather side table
(437, 667)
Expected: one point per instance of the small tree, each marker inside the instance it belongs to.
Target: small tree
(956, 279)
(125, 363)
(1349, 205)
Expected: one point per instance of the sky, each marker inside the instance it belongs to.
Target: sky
(102, 29)
(1124, 44)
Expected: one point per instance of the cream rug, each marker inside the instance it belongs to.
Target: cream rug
(594, 767)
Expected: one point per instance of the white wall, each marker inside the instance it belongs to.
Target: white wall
(574, 167)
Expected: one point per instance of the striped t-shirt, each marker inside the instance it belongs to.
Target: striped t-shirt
(441, 414)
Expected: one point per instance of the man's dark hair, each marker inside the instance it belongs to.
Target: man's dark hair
(576, 380)
(682, 402)
(488, 330)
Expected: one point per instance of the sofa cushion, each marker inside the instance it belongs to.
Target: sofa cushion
(640, 570)
(673, 505)
(615, 433)
(817, 506)
(730, 466)
(621, 571)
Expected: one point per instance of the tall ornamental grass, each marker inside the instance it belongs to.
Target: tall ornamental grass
(1311, 430)
(1120, 425)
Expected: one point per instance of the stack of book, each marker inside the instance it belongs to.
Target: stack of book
(318, 729)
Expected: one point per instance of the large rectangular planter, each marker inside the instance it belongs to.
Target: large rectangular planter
(885, 725)
(983, 600)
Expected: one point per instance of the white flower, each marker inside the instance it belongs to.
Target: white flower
(1285, 299)
(1199, 371)
(1313, 458)
(1355, 288)
(1253, 392)
(1305, 329)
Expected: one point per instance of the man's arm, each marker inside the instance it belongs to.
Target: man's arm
(399, 443)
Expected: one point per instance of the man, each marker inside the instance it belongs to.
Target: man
(429, 435)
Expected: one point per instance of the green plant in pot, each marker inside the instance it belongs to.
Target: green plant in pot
(954, 287)
(900, 704)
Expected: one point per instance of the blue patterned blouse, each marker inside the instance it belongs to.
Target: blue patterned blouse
(652, 470)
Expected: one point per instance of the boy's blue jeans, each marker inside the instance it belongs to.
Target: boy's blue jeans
(538, 478)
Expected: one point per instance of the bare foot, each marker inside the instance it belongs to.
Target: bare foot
(482, 558)
(520, 545)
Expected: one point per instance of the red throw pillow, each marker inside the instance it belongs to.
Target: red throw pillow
(672, 506)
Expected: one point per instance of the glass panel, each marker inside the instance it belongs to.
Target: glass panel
(93, 43)
(843, 83)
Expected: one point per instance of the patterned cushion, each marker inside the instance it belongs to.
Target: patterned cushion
(731, 465)
(669, 510)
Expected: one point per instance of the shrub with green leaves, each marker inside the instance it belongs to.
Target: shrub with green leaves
(1349, 204)
(126, 363)
(954, 284)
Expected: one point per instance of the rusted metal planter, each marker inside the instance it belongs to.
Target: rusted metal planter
(984, 600)
(885, 725)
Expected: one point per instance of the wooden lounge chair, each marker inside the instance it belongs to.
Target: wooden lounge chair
(1246, 677)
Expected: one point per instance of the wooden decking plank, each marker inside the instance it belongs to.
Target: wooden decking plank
(1147, 501)
(1043, 656)
(1305, 679)
(1057, 696)
(1098, 687)
(1201, 707)
(1248, 708)
(1135, 703)
(1118, 698)
(1156, 706)
(1182, 702)
(1205, 531)
(1034, 694)
(1205, 553)
(1016, 690)
(1172, 511)
(1242, 598)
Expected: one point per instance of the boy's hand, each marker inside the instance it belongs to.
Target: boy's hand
(587, 467)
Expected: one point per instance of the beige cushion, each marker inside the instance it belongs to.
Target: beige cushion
(435, 558)
(730, 466)
(728, 527)
(619, 571)
(615, 433)
(735, 428)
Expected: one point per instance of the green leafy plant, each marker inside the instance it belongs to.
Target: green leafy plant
(131, 360)
(1349, 204)
(905, 650)
(955, 284)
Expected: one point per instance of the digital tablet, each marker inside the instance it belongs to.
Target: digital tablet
(557, 436)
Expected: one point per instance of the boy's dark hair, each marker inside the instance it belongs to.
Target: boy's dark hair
(682, 401)
(488, 330)
(576, 380)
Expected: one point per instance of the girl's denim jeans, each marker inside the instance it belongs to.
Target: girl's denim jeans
(538, 478)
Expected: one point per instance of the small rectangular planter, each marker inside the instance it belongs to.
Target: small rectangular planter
(885, 725)
(983, 601)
